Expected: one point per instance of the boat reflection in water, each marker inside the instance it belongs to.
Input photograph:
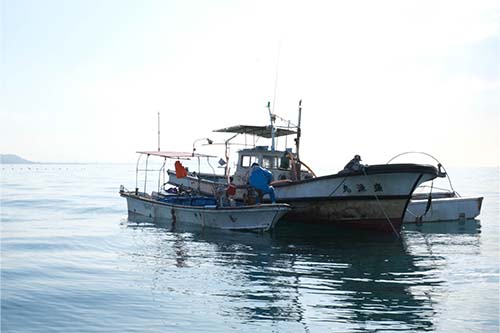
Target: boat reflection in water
(470, 226)
(298, 278)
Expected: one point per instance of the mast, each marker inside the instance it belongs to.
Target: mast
(272, 118)
(226, 167)
(158, 130)
(297, 140)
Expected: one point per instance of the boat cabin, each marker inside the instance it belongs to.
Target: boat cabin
(283, 164)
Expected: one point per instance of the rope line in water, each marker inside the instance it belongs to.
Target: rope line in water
(381, 207)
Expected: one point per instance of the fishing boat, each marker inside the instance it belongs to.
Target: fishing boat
(368, 197)
(215, 210)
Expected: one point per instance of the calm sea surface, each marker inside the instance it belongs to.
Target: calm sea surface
(72, 262)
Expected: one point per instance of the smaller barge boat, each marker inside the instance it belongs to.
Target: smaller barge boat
(442, 206)
(215, 211)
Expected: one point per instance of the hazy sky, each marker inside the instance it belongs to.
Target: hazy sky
(84, 80)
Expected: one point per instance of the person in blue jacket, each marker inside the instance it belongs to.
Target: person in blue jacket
(261, 178)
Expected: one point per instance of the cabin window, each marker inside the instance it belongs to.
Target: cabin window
(269, 162)
(247, 160)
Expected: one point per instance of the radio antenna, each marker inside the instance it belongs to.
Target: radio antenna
(158, 130)
(276, 77)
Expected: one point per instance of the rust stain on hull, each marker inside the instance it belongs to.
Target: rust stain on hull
(363, 214)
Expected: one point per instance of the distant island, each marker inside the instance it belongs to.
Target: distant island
(13, 159)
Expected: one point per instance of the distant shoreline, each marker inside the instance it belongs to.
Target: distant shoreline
(67, 163)
(14, 159)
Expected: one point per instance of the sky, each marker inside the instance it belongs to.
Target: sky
(84, 80)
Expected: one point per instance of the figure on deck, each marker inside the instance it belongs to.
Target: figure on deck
(261, 178)
(353, 165)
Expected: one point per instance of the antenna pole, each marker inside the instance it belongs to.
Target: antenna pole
(276, 78)
(297, 140)
(272, 118)
(158, 130)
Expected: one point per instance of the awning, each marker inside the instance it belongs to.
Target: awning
(173, 154)
(262, 131)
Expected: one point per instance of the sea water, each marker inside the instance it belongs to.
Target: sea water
(72, 262)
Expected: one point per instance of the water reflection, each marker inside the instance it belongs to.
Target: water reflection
(471, 226)
(315, 277)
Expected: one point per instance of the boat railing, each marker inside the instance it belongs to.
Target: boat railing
(441, 173)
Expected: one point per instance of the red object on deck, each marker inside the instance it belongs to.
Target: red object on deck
(231, 190)
(180, 171)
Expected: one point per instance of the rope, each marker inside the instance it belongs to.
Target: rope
(380, 205)
(308, 168)
(294, 167)
(428, 206)
(435, 187)
(412, 213)
(335, 190)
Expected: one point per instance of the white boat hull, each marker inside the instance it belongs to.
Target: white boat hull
(373, 199)
(261, 217)
(443, 209)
